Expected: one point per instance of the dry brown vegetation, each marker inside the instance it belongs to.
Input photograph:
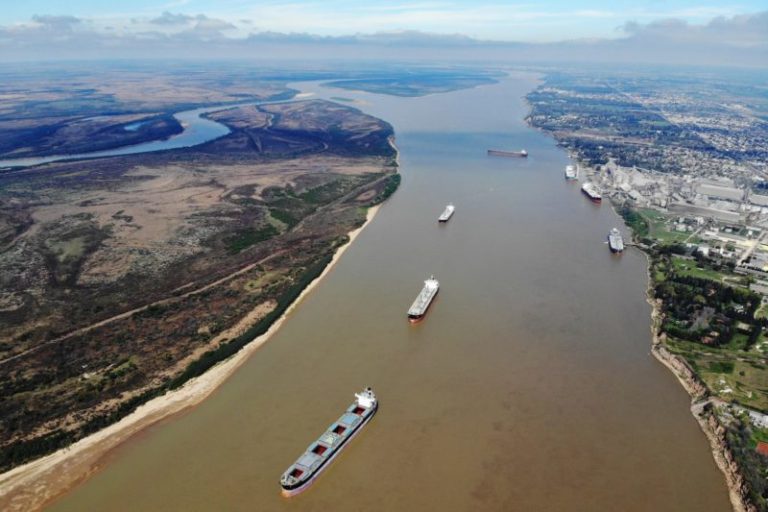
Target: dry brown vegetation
(119, 274)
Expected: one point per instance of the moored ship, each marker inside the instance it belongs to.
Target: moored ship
(421, 304)
(615, 240)
(320, 453)
(447, 213)
(497, 152)
(571, 172)
(591, 192)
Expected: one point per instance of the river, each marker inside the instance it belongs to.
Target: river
(197, 130)
(529, 386)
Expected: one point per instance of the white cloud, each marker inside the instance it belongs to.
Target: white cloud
(737, 31)
(734, 40)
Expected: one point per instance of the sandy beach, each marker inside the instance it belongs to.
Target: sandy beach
(31, 486)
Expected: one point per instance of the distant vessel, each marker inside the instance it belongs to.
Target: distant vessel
(320, 453)
(571, 172)
(421, 304)
(615, 241)
(447, 213)
(496, 152)
(591, 192)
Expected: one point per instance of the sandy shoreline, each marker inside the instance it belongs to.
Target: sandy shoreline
(33, 485)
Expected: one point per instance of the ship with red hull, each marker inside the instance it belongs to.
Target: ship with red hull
(591, 192)
(318, 456)
(420, 306)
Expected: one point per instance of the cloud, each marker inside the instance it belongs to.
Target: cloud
(736, 40)
(56, 23)
(169, 18)
(747, 30)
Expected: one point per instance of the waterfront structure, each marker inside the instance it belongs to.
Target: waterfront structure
(421, 304)
(302, 473)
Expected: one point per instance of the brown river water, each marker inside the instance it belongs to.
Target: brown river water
(528, 387)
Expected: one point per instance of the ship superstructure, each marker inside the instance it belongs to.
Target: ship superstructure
(591, 192)
(447, 213)
(615, 240)
(571, 172)
(321, 452)
(421, 304)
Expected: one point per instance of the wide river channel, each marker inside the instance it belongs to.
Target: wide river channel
(530, 385)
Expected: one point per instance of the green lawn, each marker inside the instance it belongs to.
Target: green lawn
(659, 229)
(731, 374)
(690, 268)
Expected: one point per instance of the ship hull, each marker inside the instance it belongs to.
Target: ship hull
(416, 318)
(594, 199)
(289, 492)
(511, 154)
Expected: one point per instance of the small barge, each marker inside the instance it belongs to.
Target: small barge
(320, 453)
(518, 154)
(447, 213)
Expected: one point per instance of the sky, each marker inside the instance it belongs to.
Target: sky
(728, 32)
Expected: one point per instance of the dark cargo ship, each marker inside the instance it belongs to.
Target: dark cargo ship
(321, 452)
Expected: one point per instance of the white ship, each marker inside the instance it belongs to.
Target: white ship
(421, 304)
(571, 172)
(615, 240)
(498, 152)
(591, 192)
(447, 213)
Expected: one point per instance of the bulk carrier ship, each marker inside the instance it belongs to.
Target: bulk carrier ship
(615, 240)
(447, 213)
(591, 192)
(320, 453)
(497, 152)
(421, 304)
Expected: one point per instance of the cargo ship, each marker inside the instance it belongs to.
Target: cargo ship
(320, 453)
(615, 240)
(520, 154)
(591, 192)
(421, 304)
(447, 213)
(571, 172)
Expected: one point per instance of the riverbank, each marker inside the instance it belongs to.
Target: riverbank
(33, 485)
(702, 405)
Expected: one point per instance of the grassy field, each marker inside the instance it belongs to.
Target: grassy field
(731, 373)
(688, 267)
(658, 228)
